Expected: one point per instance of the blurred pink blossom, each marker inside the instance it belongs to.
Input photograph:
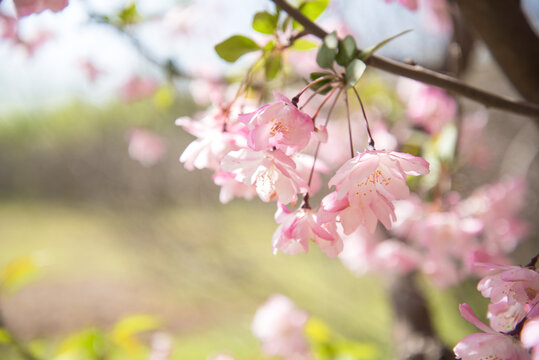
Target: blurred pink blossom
(426, 106)
(145, 146)
(410, 4)
(161, 346)
(27, 7)
(279, 325)
(138, 88)
(8, 27)
(230, 187)
(530, 335)
(90, 70)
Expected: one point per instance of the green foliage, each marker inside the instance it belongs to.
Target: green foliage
(365, 54)
(312, 9)
(303, 45)
(88, 344)
(235, 46)
(354, 71)
(326, 345)
(126, 330)
(264, 22)
(328, 51)
(347, 51)
(272, 65)
(20, 272)
(321, 84)
(129, 15)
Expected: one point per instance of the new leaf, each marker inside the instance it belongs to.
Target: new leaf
(235, 46)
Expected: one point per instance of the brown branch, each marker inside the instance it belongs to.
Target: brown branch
(424, 75)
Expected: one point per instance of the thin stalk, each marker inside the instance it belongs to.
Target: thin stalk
(317, 92)
(371, 140)
(323, 103)
(295, 99)
(349, 124)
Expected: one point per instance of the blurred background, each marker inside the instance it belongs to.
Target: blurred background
(99, 229)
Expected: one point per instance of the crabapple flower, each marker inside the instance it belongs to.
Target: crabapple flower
(488, 345)
(212, 143)
(370, 182)
(410, 4)
(298, 227)
(138, 88)
(364, 252)
(279, 125)
(146, 147)
(512, 292)
(231, 188)
(272, 173)
(279, 326)
(529, 335)
(27, 7)
(161, 347)
(427, 106)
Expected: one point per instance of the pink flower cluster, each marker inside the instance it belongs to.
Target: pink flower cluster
(279, 326)
(259, 153)
(444, 241)
(513, 315)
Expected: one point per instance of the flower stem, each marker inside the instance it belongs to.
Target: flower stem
(371, 140)
(322, 104)
(295, 99)
(349, 124)
(323, 88)
(319, 142)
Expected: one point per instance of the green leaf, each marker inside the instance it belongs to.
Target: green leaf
(21, 271)
(347, 51)
(272, 66)
(5, 336)
(86, 344)
(303, 45)
(125, 330)
(235, 46)
(354, 70)
(129, 15)
(314, 8)
(264, 22)
(321, 84)
(365, 54)
(328, 50)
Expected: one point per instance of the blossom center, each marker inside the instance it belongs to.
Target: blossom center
(369, 184)
(278, 128)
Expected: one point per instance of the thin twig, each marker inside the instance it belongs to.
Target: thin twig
(424, 75)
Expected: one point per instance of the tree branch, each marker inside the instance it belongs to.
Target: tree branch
(424, 75)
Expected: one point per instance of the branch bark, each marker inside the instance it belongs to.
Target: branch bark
(511, 41)
(424, 75)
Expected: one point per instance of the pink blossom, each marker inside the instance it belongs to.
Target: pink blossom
(230, 187)
(273, 174)
(27, 7)
(304, 166)
(298, 227)
(410, 4)
(89, 68)
(213, 141)
(488, 345)
(530, 336)
(512, 292)
(279, 326)
(138, 88)
(427, 106)
(278, 125)
(161, 347)
(8, 27)
(370, 182)
(364, 252)
(146, 147)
